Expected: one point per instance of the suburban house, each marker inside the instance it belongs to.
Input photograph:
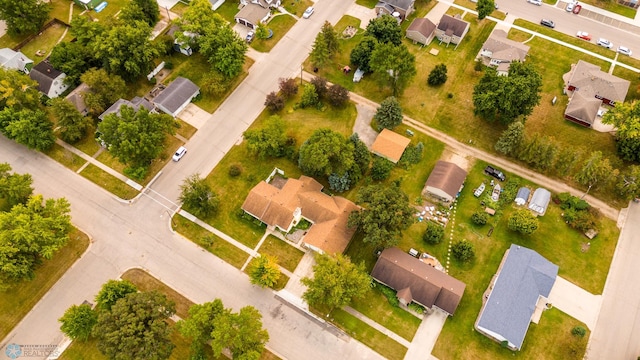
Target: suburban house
(588, 86)
(421, 31)
(76, 97)
(282, 203)
(500, 52)
(445, 181)
(50, 81)
(136, 103)
(418, 282)
(15, 60)
(451, 30)
(390, 145)
(175, 97)
(517, 297)
(255, 12)
(540, 201)
(399, 9)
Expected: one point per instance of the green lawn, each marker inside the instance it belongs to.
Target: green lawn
(109, 182)
(219, 248)
(228, 10)
(88, 144)
(44, 42)
(179, 8)
(280, 25)
(287, 255)
(146, 282)
(25, 294)
(614, 7)
(65, 157)
(296, 7)
(279, 285)
(634, 77)
(367, 3)
(186, 130)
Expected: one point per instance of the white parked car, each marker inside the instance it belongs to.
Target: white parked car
(307, 13)
(535, 2)
(179, 153)
(570, 6)
(604, 42)
(624, 50)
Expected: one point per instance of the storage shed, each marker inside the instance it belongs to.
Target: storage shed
(523, 196)
(540, 200)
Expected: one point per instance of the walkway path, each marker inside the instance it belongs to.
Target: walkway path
(378, 327)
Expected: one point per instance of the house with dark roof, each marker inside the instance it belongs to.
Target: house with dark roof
(175, 97)
(451, 30)
(418, 282)
(255, 12)
(76, 97)
(586, 82)
(500, 52)
(283, 203)
(15, 60)
(399, 9)
(518, 296)
(421, 31)
(136, 103)
(445, 181)
(390, 145)
(50, 81)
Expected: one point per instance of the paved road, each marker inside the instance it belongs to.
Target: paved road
(617, 332)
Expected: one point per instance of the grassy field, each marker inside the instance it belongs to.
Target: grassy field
(186, 130)
(614, 7)
(296, 7)
(44, 42)
(287, 255)
(146, 282)
(109, 182)
(65, 157)
(280, 25)
(25, 294)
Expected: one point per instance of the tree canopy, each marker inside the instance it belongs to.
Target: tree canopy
(389, 114)
(104, 90)
(361, 53)
(197, 196)
(438, 75)
(18, 91)
(71, 124)
(628, 183)
(14, 188)
(523, 221)
(596, 170)
(112, 291)
(385, 213)
(78, 321)
(326, 152)
(511, 139)
(385, 29)
(626, 118)
(73, 59)
(393, 65)
(268, 141)
(506, 98)
(28, 127)
(24, 16)
(264, 271)
(336, 281)
(485, 8)
(199, 325)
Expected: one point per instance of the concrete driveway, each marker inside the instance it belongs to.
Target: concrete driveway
(194, 116)
(425, 338)
(363, 13)
(576, 302)
(363, 124)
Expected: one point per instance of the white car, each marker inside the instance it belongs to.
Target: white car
(604, 42)
(179, 153)
(570, 6)
(624, 50)
(307, 13)
(535, 2)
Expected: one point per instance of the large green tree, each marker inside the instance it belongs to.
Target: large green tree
(326, 152)
(144, 10)
(319, 52)
(511, 139)
(264, 271)
(199, 325)
(336, 281)
(596, 170)
(523, 221)
(71, 124)
(112, 291)
(385, 29)
(393, 65)
(72, 58)
(14, 188)
(268, 141)
(104, 90)
(628, 183)
(28, 127)
(18, 91)
(485, 8)
(389, 114)
(626, 119)
(438, 75)
(385, 213)
(24, 16)
(241, 333)
(78, 321)
(197, 196)
(136, 327)
(30, 233)
(507, 98)
(361, 54)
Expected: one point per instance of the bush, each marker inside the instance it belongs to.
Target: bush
(288, 87)
(433, 234)
(463, 250)
(480, 217)
(168, 65)
(153, 80)
(438, 75)
(478, 66)
(339, 183)
(523, 221)
(274, 102)
(390, 294)
(579, 331)
(309, 96)
(381, 168)
(412, 155)
(337, 95)
(321, 86)
(416, 307)
(235, 170)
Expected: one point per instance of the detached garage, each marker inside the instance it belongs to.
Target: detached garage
(445, 181)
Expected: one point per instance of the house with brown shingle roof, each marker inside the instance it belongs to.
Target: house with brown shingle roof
(451, 30)
(421, 31)
(418, 282)
(500, 52)
(390, 145)
(445, 181)
(284, 203)
(589, 81)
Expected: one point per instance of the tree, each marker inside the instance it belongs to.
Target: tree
(274, 102)
(126, 50)
(337, 95)
(336, 282)
(578, 331)
(199, 325)
(24, 16)
(540, 152)
(463, 250)
(136, 137)
(72, 58)
(438, 75)
(326, 152)
(393, 65)
(269, 141)
(112, 291)
(72, 125)
(339, 183)
(14, 188)
(330, 36)
(319, 52)
(18, 91)
(262, 32)
(199, 18)
(264, 271)
(523, 221)
(628, 184)
(412, 155)
(78, 321)
(361, 54)
(566, 160)
(242, 334)
(150, 10)
(506, 98)
(385, 29)
(433, 234)
(321, 86)
(485, 8)
(214, 83)
(29, 233)
(309, 96)
(197, 197)
(28, 127)
(595, 170)
(85, 30)
(104, 90)
(136, 327)
(225, 50)
(626, 118)
(361, 157)
(480, 217)
(288, 87)
(381, 168)
(385, 213)
(511, 139)
(389, 114)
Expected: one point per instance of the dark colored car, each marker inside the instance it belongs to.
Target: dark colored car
(547, 23)
(491, 171)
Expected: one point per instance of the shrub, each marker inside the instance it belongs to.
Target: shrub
(390, 294)
(433, 234)
(337, 95)
(412, 155)
(339, 183)
(463, 250)
(438, 75)
(579, 331)
(288, 87)
(381, 168)
(478, 66)
(274, 102)
(417, 308)
(309, 96)
(480, 217)
(523, 221)
(153, 80)
(235, 170)
(320, 85)
(168, 65)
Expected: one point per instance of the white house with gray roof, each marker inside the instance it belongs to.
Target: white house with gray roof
(10, 59)
(518, 296)
(176, 96)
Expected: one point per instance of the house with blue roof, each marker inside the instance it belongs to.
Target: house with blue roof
(517, 296)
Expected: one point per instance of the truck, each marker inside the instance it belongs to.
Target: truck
(491, 171)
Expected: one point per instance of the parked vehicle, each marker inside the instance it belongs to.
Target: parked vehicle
(307, 13)
(535, 2)
(570, 6)
(491, 171)
(584, 35)
(576, 10)
(624, 50)
(249, 37)
(179, 153)
(604, 42)
(547, 23)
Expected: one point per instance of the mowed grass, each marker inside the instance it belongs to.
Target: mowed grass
(633, 77)
(288, 256)
(65, 157)
(44, 42)
(186, 130)
(109, 182)
(296, 7)
(146, 282)
(21, 297)
(614, 7)
(280, 25)
(279, 285)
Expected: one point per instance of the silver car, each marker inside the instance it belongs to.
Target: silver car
(604, 42)
(624, 50)
(307, 13)
(179, 153)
